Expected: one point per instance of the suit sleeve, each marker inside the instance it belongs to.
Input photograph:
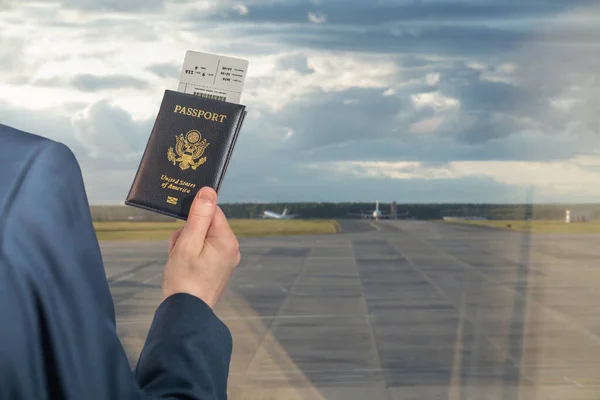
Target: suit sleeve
(187, 352)
(53, 243)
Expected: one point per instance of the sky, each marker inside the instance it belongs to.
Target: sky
(407, 101)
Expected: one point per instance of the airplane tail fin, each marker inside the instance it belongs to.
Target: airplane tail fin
(284, 212)
(377, 206)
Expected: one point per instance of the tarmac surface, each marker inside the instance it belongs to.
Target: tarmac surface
(395, 310)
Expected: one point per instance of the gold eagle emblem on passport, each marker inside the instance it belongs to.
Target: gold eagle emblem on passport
(189, 149)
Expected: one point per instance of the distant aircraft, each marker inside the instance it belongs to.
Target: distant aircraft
(375, 214)
(273, 215)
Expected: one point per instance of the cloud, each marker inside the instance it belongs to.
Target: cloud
(240, 8)
(449, 41)
(130, 6)
(413, 99)
(432, 79)
(45, 122)
(317, 17)
(109, 132)
(115, 5)
(429, 125)
(110, 186)
(435, 100)
(165, 70)
(396, 13)
(466, 117)
(91, 83)
(301, 182)
(11, 58)
(563, 179)
(274, 85)
(565, 104)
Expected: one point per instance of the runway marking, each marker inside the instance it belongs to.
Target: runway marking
(461, 312)
(315, 371)
(282, 306)
(122, 278)
(371, 331)
(573, 382)
(299, 316)
(153, 278)
(374, 226)
(327, 257)
(558, 316)
(356, 370)
(128, 273)
(267, 317)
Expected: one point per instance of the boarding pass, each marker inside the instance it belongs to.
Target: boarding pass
(212, 76)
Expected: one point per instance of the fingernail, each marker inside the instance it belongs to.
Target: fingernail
(206, 196)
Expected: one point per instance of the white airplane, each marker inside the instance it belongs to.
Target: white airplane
(376, 214)
(274, 215)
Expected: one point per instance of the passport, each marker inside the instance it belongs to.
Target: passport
(189, 147)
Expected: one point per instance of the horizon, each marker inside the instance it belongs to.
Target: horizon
(380, 203)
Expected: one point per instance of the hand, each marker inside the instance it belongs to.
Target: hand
(202, 254)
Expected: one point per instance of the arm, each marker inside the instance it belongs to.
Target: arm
(52, 242)
(187, 351)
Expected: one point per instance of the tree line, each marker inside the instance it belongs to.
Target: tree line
(342, 210)
(418, 211)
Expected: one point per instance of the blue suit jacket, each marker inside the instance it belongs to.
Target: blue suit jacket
(57, 322)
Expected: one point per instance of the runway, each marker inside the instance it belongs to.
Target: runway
(395, 310)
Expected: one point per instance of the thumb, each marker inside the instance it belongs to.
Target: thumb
(199, 219)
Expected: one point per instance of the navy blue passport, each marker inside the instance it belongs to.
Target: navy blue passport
(189, 147)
